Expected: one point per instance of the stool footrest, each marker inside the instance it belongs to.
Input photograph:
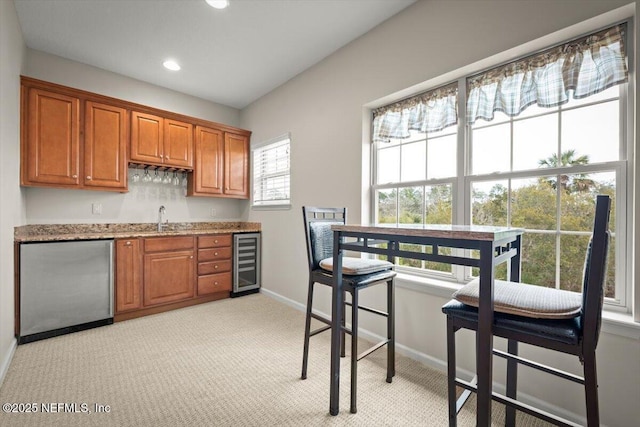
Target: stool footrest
(372, 349)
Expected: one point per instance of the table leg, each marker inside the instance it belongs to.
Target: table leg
(337, 297)
(484, 342)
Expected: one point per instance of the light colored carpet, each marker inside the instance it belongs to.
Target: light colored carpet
(234, 362)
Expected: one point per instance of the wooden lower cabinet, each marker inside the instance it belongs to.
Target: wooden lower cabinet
(163, 273)
(214, 264)
(128, 275)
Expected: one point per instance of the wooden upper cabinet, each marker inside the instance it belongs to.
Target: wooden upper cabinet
(178, 143)
(147, 138)
(51, 146)
(105, 146)
(207, 178)
(236, 165)
(159, 141)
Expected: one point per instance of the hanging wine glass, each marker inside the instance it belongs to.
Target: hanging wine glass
(176, 179)
(136, 176)
(167, 178)
(146, 178)
(157, 179)
(184, 179)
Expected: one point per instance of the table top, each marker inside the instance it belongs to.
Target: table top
(472, 232)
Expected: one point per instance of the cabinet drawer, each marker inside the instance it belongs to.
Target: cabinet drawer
(214, 283)
(157, 244)
(214, 241)
(214, 267)
(212, 254)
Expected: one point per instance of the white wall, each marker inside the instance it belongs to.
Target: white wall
(141, 204)
(12, 212)
(432, 42)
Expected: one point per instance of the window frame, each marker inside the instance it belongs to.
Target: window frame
(461, 184)
(275, 204)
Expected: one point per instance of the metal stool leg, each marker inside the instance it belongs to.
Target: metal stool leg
(391, 333)
(451, 372)
(591, 389)
(343, 323)
(307, 331)
(354, 350)
(512, 383)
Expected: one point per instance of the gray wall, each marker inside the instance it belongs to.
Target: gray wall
(324, 108)
(12, 211)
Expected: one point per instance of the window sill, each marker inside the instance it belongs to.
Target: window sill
(282, 207)
(614, 323)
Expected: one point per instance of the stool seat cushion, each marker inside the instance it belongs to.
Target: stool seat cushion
(357, 266)
(565, 331)
(525, 300)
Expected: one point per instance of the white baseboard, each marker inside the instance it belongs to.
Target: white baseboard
(6, 361)
(440, 365)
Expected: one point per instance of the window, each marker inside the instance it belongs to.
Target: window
(530, 153)
(271, 173)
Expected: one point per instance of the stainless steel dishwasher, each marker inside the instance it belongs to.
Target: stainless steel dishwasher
(64, 287)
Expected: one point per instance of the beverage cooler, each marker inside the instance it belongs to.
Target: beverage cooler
(246, 268)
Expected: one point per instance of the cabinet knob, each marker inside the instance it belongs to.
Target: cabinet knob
(215, 241)
(215, 254)
(74, 176)
(191, 257)
(128, 243)
(215, 267)
(88, 177)
(215, 283)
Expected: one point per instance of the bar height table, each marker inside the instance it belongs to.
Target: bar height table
(491, 245)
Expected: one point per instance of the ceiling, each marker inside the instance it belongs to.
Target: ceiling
(231, 57)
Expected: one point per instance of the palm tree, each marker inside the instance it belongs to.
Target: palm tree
(568, 183)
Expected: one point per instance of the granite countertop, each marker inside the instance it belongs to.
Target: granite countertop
(64, 232)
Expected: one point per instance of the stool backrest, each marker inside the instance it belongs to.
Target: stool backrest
(318, 234)
(595, 272)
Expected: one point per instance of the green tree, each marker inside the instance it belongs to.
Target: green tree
(568, 183)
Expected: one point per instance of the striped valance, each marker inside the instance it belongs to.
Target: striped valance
(579, 68)
(430, 111)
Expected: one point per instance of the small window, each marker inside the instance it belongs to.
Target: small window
(271, 173)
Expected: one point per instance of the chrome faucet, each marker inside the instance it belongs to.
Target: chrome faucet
(162, 225)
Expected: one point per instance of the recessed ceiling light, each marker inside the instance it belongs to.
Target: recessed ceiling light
(218, 4)
(170, 64)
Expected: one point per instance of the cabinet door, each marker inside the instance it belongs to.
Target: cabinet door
(236, 165)
(105, 143)
(147, 137)
(207, 173)
(168, 277)
(128, 275)
(52, 139)
(178, 143)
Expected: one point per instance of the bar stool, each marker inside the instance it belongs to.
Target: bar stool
(549, 318)
(358, 274)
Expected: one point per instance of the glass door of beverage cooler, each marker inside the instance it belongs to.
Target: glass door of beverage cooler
(246, 269)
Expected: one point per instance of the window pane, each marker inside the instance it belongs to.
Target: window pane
(534, 110)
(441, 157)
(411, 202)
(612, 92)
(572, 254)
(439, 204)
(534, 139)
(489, 203)
(577, 201)
(539, 259)
(533, 204)
(490, 149)
(387, 206)
(388, 169)
(414, 159)
(592, 131)
(610, 281)
(498, 117)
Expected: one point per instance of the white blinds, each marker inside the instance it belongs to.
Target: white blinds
(271, 173)
(578, 68)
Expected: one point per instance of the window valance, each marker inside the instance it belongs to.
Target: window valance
(430, 111)
(580, 68)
